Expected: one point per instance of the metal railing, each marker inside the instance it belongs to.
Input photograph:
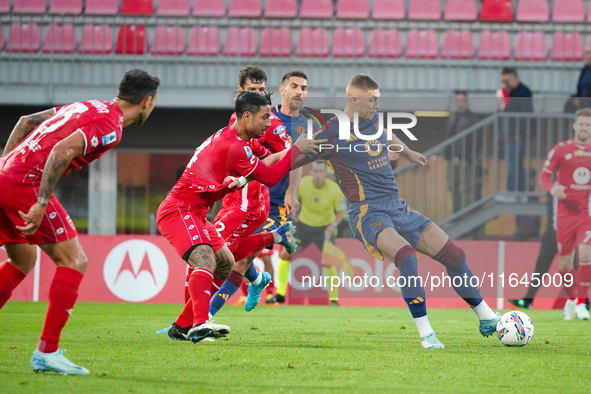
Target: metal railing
(496, 162)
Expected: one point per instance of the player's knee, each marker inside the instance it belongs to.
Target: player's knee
(202, 256)
(78, 262)
(585, 253)
(450, 254)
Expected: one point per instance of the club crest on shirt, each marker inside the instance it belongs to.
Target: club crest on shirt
(248, 151)
(280, 129)
(378, 224)
(301, 130)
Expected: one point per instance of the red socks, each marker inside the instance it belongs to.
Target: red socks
(187, 295)
(250, 245)
(583, 280)
(63, 293)
(200, 284)
(244, 287)
(10, 277)
(571, 292)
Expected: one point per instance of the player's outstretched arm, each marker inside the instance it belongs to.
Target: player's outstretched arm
(411, 155)
(25, 125)
(308, 146)
(59, 159)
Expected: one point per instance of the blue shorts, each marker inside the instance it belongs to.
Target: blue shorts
(277, 217)
(367, 220)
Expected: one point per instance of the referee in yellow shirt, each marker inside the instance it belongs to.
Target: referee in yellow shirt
(322, 204)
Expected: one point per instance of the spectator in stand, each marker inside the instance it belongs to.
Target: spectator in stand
(584, 83)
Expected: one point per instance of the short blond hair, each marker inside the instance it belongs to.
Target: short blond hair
(362, 82)
(583, 112)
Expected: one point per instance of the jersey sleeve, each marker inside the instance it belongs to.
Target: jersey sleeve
(241, 160)
(276, 138)
(259, 151)
(100, 135)
(550, 166)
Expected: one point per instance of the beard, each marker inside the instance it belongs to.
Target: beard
(140, 119)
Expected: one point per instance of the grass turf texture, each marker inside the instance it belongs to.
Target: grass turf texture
(291, 348)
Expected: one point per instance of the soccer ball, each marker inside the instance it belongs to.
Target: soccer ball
(515, 329)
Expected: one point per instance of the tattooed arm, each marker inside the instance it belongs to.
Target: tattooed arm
(59, 159)
(25, 125)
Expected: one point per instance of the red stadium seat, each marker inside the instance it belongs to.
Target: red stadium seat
(204, 41)
(24, 38)
(240, 42)
(59, 39)
(168, 40)
(65, 7)
(209, 8)
(532, 11)
(531, 46)
(460, 10)
(29, 7)
(316, 9)
(388, 10)
(276, 42)
(245, 8)
(281, 9)
(385, 44)
(495, 45)
(96, 39)
(101, 7)
(2, 42)
(496, 10)
(131, 40)
(137, 7)
(424, 10)
(422, 44)
(457, 45)
(4, 6)
(352, 9)
(348, 42)
(568, 11)
(313, 43)
(567, 47)
(173, 7)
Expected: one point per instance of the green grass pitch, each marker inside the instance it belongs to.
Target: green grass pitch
(293, 349)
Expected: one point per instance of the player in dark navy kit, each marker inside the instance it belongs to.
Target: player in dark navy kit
(381, 220)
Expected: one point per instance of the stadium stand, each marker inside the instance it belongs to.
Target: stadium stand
(348, 42)
(137, 7)
(532, 11)
(352, 9)
(59, 39)
(240, 42)
(424, 10)
(495, 45)
(316, 9)
(4, 6)
(281, 9)
(65, 7)
(173, 7)
(131, 40)
(388, 10)
(24, 38)
(245, 9)
(530, 46)
(460, 10)
(457, 45)
(168, 40)
(313, 43)
(2, 41)
(496, 11)
(422, 44)
(567, 47)
(568, 11)
(204, 41)
(385, 44)
(29, 7)
(276, 42)
(101, 7)
(209, 8)
(96, 39)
